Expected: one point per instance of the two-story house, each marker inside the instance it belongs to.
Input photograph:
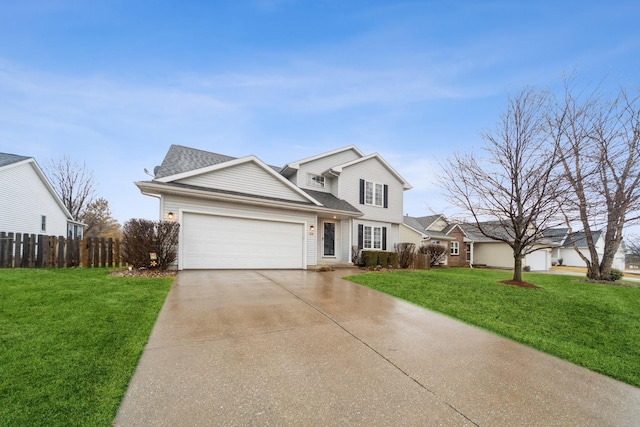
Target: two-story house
(243, 213)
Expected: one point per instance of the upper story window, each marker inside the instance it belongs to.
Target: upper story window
(373, 193)
(455, 248)
(43, 222)
(315, 180)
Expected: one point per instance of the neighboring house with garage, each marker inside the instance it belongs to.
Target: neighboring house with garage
(29, 203)
(467, 246)
(243, 213)
(436, 229)
(564, 248)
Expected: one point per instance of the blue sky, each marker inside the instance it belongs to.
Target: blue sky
(115, 83)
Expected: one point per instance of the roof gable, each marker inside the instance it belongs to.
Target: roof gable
(8, 161)
(248, 175)
(338, 169)
(297, 163)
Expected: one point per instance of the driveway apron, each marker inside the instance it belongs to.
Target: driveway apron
(277, 347)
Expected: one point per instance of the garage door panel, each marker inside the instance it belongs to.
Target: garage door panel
(211, 241)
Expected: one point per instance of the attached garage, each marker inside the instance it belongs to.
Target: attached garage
(226, 242)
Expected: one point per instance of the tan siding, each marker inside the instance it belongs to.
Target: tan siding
(176, 203)
(408, 235)
(493, 254)
(24, 198)
(372, 170)
(248, 178)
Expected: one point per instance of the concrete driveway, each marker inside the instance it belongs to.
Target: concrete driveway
(302, 348)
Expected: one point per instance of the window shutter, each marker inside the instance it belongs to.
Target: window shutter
(362, 191)
(385, 196)
(384, 237)
(360, 235)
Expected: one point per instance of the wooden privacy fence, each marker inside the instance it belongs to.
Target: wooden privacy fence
(19, 250)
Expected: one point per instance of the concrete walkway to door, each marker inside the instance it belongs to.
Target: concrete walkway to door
(297, 348)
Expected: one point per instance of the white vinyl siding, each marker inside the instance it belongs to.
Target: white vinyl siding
(246, 178)
(321, 165)
(24, 199)
(179, 205)
(372, 170)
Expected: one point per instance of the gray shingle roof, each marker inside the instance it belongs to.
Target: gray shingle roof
(556, 235)
(413, 223)
(330, 201)
(581, 239)
(7, 159)
(181, 159)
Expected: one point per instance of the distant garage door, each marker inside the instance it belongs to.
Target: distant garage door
(219, 242)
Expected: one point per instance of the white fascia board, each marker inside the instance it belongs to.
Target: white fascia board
(46, 182)
(235, 162)
(461, 229)
(297, 163)
(151, 188)
(405, 184)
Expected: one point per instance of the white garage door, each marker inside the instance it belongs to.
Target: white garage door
(537, 260)
(217, 242)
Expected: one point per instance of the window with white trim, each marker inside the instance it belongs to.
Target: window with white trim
(315, 180)
(468, 251)
(373, 193)
(43, 222)
(372, 238)
(455, 248)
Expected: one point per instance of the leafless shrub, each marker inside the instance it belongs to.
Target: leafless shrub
(142, 237)
(406, 252)
(436, 253)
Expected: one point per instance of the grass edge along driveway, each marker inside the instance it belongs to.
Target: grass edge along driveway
(592, 325)
(70, 340)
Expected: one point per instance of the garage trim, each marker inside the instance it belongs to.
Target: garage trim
(304, 224)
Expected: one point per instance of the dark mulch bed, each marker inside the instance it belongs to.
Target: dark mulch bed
(521, 284)
(144, 273)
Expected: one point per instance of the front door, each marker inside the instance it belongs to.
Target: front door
(329, 239)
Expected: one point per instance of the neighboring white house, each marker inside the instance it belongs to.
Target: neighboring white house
(566, 252)
(243, 213)
(28, 202)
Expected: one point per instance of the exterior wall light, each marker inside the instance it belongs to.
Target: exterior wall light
(170, 215)
(312, 229)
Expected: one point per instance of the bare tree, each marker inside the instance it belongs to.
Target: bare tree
(633, 249)
(100, 223)
(73, 182)
(598, 145)
(510, 193)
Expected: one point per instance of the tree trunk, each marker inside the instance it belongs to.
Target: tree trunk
(517, 268)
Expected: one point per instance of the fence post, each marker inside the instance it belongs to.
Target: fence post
(17, 257)
(3, 248)
(39, 251)
(103, 252)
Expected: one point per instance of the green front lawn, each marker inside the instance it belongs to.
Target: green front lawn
(592, 325)
(70, 340)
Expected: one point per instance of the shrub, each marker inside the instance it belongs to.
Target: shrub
(369, 258)
(383, 259)
(393, 259)
(560, 261)
(405, 253)
(616, 274)
(355, 254)
(436, 253)
(142, 237)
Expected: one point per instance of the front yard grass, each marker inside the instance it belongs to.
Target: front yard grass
(70, 340)
(592, 325)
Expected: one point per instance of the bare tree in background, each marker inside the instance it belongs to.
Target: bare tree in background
(598, 145)
(100, 223)
(510, 193)
(74, 183)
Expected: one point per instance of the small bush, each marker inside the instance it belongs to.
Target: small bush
(616, 274)
(393, 259)
(405, 253)
(383, 258)
(369, 258)
(141, 237)
(436, 253)
(355, 254)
